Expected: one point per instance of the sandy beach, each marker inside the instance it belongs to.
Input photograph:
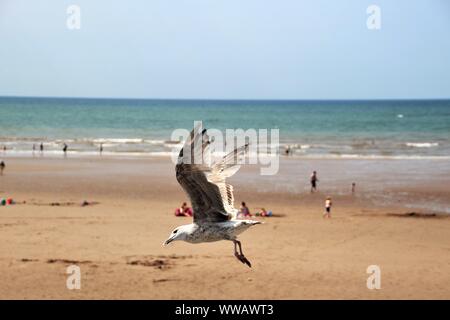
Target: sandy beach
(99, 98)
(117, 239)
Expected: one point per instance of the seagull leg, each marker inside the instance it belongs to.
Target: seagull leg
(236, 253)
(240, 255)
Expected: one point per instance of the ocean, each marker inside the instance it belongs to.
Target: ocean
(324, 129)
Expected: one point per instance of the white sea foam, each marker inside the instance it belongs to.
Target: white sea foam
(346, 149)
(118, 140)
(371, 157)
(150, 154)
(299, 146)
(422, 144)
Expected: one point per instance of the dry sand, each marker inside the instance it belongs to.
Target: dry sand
(118, 241)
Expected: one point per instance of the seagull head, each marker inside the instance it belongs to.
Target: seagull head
(179, 233)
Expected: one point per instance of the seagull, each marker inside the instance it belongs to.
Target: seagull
(215, 217)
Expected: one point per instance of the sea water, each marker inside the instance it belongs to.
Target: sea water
(335, 129)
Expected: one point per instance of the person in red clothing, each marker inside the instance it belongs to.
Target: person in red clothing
(183, 211)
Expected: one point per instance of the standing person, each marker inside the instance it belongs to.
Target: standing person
(328, 204)
(287, 150)
(314, 181)
(41, 147)
(101, 148)
(353, 188)
(2, 167)
(65, 149)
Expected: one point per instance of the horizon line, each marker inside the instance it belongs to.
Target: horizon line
(222, 99)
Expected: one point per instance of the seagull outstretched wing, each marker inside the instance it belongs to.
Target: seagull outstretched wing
(211, 197)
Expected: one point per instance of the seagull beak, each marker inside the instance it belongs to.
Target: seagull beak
(167, 241)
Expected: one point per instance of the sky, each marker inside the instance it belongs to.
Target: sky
(226, 49)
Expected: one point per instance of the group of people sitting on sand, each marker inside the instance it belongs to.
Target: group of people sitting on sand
(244, 211)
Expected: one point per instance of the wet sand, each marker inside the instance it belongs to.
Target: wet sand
(117, 239)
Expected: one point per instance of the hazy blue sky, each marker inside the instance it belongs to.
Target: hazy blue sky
(226, 49)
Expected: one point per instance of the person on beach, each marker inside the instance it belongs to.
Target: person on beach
(244, 211)
(2, 167)
(101, 148)
(183, 211)
(65, 150)
(353, 188)
(41, 147)
(287, 150)
(314, 181)
(264, 213)
(328, 204)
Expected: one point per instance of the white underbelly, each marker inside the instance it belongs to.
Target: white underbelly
(228, 230)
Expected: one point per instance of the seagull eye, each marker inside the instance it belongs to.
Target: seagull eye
(175, 231)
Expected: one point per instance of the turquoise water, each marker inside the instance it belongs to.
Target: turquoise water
(310, 128)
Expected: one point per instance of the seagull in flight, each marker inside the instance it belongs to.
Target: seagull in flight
(211, 197)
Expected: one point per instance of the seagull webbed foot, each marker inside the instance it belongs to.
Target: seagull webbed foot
(243, 259)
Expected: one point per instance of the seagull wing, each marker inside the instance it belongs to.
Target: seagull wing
(211, 197)
(226, 168)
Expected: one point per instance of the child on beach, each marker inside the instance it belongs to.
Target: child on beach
(328, 204)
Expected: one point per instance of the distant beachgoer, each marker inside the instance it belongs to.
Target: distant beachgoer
(187, 210)
(41, 147)
(34, 147)
(2, 167)
(314, 181)
(101, 148)
(328, 204)
(4, 148)
(353, 187)
(287, 151)
(65, 149)
(244, 210)
(264, 213)
(183, 211)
